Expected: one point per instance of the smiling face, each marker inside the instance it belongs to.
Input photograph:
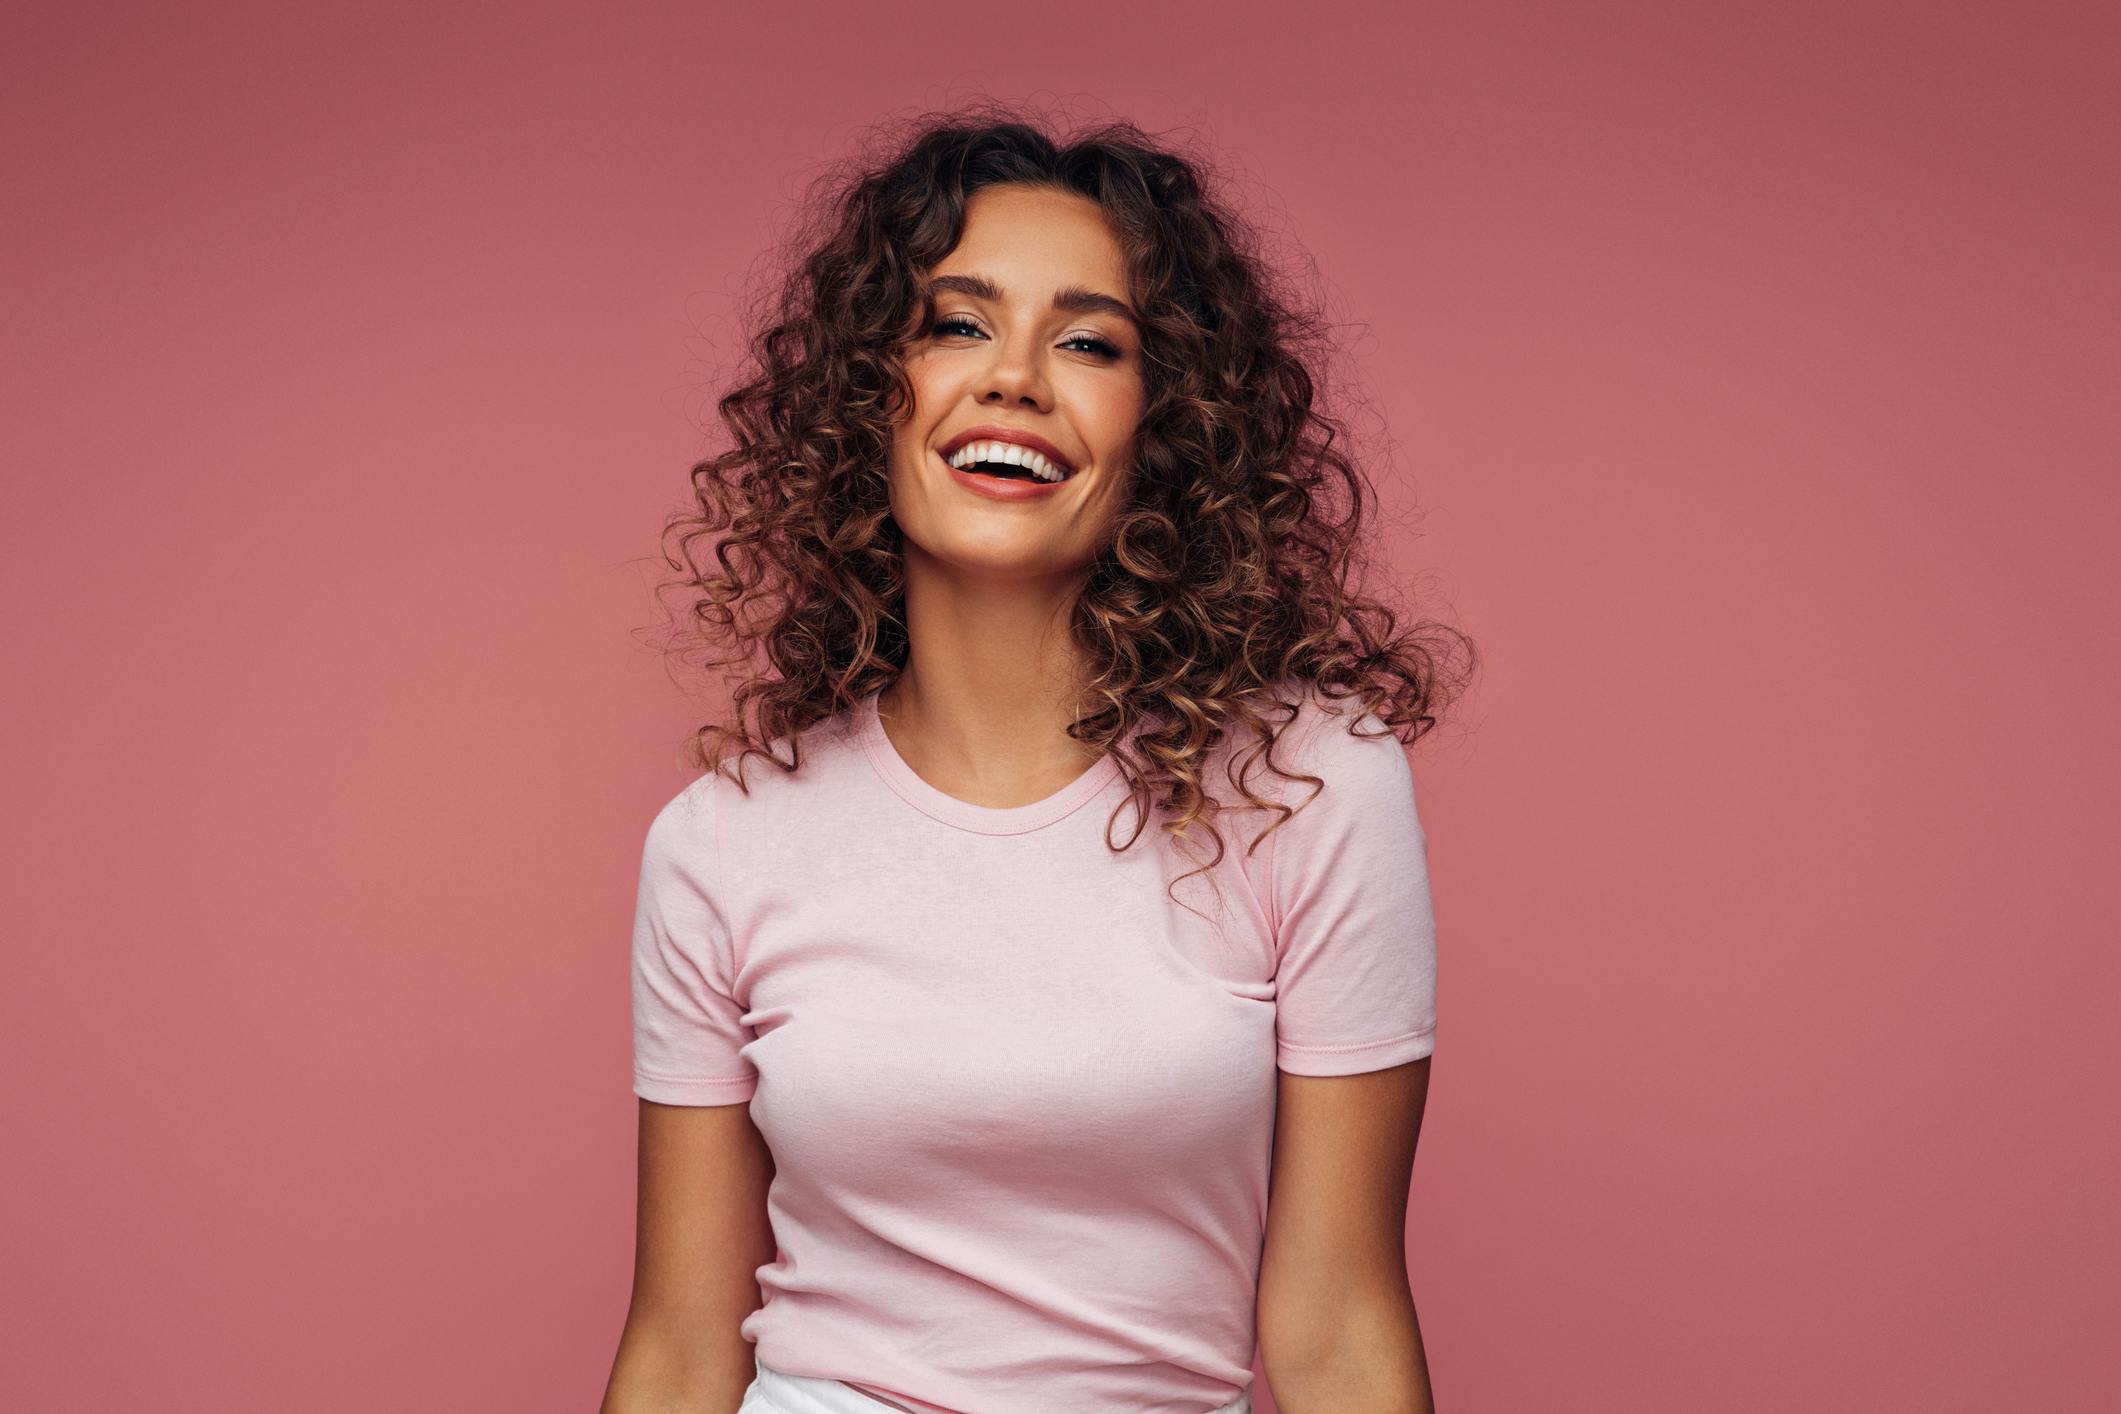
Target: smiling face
(1004, 353)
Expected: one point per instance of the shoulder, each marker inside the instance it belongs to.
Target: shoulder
(682, 834)
(1308, 743)
(745, 791)
(1336, 739)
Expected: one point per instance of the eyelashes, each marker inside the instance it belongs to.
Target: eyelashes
(959, 323)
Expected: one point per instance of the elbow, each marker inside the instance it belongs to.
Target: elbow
(1364, 1355)
(658, 1371)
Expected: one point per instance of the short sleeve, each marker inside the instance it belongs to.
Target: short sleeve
(688, 1026)
(1355, 940)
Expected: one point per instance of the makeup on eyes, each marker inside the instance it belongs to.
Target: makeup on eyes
(1105, 348)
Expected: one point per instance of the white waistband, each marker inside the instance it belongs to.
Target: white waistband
(776, 1393)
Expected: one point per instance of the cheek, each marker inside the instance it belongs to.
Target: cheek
(1117, 412)
(916, 426)
(927, 377)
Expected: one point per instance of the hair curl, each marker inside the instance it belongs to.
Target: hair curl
(1233, 574)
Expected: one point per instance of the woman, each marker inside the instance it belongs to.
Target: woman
(969, 1052)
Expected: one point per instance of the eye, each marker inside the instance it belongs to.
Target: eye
(1100, 347)
(959, 324)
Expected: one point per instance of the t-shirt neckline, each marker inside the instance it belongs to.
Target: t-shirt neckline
(983, 819)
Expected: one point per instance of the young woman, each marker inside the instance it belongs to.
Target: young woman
(1035, 1010)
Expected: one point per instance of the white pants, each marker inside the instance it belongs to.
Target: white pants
(775, 1393)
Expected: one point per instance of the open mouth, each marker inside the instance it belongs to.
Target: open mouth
(1007, 463)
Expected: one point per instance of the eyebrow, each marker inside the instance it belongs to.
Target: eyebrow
(1071, 299)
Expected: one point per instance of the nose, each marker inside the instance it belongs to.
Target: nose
(1016, 374)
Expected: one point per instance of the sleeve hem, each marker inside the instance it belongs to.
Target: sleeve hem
(719, 1090)
(1351, 1060)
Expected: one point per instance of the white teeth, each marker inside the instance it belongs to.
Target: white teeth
(1008, 452)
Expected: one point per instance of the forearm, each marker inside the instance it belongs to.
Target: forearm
(1368, 1361)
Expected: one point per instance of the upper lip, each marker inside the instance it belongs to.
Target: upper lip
(989, 432)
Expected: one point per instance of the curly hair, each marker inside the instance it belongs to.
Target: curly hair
(1234, 571)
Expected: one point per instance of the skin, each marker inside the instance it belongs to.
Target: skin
(980, 711)
(981, 706)
(701, 1232)
(1338, 1332)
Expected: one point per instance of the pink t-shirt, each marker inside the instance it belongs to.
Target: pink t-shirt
(1020, 1104)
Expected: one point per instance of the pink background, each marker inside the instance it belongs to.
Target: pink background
(1749, 386)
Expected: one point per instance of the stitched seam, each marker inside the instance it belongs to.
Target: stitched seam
(1364, 1045)
(690, 1079)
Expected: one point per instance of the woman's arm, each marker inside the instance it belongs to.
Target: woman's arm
(1337, 1327)
(701, 1234)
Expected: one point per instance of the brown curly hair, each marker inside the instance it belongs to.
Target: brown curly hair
(1233, 573)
